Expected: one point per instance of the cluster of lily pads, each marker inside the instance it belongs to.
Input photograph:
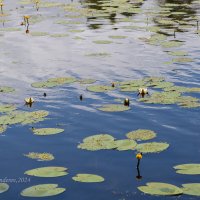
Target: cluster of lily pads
(106, 141)
(157, 188)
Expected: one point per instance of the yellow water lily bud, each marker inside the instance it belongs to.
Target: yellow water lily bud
(139, 156)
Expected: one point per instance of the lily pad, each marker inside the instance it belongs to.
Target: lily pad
(102, 42)
(47, 172)
(178, 53)
(171, 44)
(23, 117)
(53, 82)
(5, 89)
(87, 81)
(114, 108)
(141, 134)
(99, 88)
(191, 189)
(3, 187)
(123, 145)
(42, 190)
(156, 188)
(88, 178)
(47, 131)
(191, 169)
(98, 142)
(39, 33)
(182, 60)
(7, 108)
(152, 147)
(40, 156)
(117, 37)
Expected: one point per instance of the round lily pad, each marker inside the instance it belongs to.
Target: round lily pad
(156, 188)
(53, 82)
(47, 131)
(5, 89)
(114, 108)
(99, 88)
(123, 145)
(102, 41)
(191, 169)
(42, 190)
(3, 187)
(152, 147)
(98, 142)
(191, 189)
(40, 156)
(182, 60)
(141, 134)
(171, 44)
(87, 81)
(178, 53)
(47, 172)
(88, 178)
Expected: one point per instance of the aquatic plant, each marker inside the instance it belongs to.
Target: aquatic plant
(191, 169)
(42, 190)
(152, 147)
(40, 156)
(47, 131)
(114, 108)
(141, 134)
(88, 178)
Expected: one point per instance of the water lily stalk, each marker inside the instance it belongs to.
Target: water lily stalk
(1, 4)
(126, 102)
(197, 25)
(138, 174)
(37, 4)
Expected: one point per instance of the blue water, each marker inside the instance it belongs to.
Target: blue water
(25, 59)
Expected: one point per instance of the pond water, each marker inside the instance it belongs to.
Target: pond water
(126, 28)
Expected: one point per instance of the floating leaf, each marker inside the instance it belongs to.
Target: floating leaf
(170, 44)
(161, 85)
(152, 147)
(102, 42)
(178, 53)
(191, 169)
(3, 187)
(39, 33)
(98, 142)
(88, 178)
(123, 145)
(182, 60)
(114, 108)
(58, 35)
(87, 81)
(99, 88)
(42, 190)
(5, 89)
(53, 82)
(191, 189)
(117, 37)
(156, 188)
(23, 117)
(141, 134)
(47, 172)
(40, 156)
(7, 108)
(47, 131)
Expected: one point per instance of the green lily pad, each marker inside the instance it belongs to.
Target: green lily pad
(40, 156)
(152, 147)
(42, 190)
(161, 85)
(141, 134)
(182, 60)
(162, 98)
(102, 42)
(2, 128)
(99, 88)
(53, 82)
(98, 142)
(47, 131)
(23, 117)
(5, 89)
(59, 35)
(123, 145)
(191, 169)
(114, 108)
(87, 81)
(178, 53)
(88, 178)
(47, 172)
(117, 37)
(156, 188)
(191, 189)
(3, 187)
(10, 29)
(7, 108)
(171, 44)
